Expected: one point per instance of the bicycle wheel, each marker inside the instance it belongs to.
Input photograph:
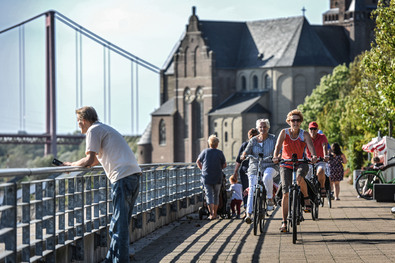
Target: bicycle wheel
(262, 211)
(322, 201)
(295, 216)
(314, 209)
(290, 202)
(329, 195)
(365, 182)
(257, 202)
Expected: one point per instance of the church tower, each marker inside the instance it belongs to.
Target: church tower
(355, 17)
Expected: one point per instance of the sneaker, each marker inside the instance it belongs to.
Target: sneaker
(233, 215)
(248, 220)
(270, 204)
(237, 216)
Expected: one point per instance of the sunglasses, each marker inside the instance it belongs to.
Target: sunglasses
(313, 129)
(295, 120)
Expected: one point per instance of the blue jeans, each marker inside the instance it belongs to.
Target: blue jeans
(124, 193)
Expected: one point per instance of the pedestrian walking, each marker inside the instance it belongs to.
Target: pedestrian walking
(336, 168)
(211, 161)
(241, 167)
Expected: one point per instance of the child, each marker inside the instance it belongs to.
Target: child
(237, 196)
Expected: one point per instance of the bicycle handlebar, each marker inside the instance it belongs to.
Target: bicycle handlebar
(294, 160)
(267, 159)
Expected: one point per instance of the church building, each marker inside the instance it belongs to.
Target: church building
(222, 76)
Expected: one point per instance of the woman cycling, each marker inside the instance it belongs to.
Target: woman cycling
(262, 143)
(293, 141)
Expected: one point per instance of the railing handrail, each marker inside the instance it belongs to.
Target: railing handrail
(8, 172)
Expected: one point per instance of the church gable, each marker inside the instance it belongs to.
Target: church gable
(311, 51)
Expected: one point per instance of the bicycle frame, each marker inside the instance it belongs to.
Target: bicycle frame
(365, 181)
(259, 196)
(295, 215)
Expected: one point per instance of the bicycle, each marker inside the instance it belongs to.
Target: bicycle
(328, 190)
(314, 190)
(260, 202)
(295, 215)
(366, 180)
(329, 193)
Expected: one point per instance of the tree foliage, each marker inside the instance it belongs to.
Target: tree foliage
(32, 156)
(325, 104)
(353, 103)
(375, 96)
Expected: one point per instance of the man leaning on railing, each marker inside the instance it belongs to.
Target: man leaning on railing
(106, 146)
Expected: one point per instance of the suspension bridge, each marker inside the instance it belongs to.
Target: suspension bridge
(54, 66)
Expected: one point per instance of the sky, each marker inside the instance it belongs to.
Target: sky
(148, 29)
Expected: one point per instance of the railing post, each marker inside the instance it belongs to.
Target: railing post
(9, 221)
(80, 217)
(51, 222)
(26, 222)
(39, 218)
(62, 210)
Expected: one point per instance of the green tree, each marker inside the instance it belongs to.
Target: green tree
(376, 93)
(325, 104)
(371, 104)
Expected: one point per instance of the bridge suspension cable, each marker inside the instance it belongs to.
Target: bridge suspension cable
(80, 32)
(22, 86)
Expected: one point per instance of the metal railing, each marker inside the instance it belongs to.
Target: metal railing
(45, 209)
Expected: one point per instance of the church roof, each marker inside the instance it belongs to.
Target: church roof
(167, 108)
(283, 42)
(146, 137)
(240, 102)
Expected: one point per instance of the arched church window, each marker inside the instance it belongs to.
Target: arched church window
(255, 82)
(186, 101)
(268, 82)
(199, 113)
(162, 132)
(243, 83)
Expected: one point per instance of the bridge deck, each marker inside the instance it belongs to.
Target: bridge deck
(354, 230)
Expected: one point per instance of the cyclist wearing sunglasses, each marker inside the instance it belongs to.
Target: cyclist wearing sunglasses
(320, 143)
(293, 141)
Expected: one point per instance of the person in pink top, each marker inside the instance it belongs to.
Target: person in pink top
(320, 143)
(293, 141)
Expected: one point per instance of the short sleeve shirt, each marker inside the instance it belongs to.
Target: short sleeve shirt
(212, 162)
(112, 151)
(317, 142)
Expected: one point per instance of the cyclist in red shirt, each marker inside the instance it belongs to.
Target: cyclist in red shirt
(293, 141)
(321, 148)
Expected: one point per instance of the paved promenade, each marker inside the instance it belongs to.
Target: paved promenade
(353, 230)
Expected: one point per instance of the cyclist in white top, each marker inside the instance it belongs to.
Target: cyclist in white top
(262, 143)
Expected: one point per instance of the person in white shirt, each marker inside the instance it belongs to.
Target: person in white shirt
(106, 146)
(237, 196)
